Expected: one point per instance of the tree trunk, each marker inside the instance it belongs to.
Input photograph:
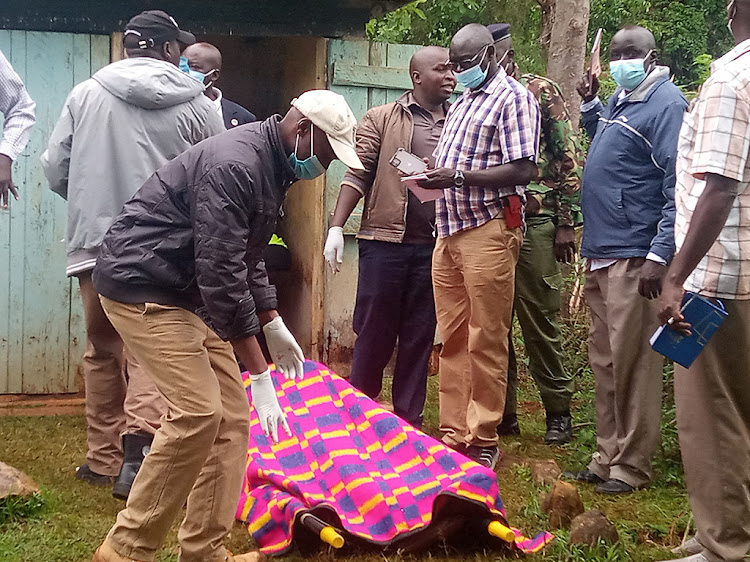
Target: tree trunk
(548, 18)
(567, 51)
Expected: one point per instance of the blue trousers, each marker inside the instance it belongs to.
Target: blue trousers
(394, 305)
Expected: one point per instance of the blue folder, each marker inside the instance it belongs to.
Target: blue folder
(705, 318)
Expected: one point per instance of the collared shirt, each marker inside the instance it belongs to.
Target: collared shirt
(715, 139)
(18, 109)
(420, 217)
(217, 103)
(489, 126)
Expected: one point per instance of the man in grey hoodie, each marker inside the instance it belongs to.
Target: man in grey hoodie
(115, 130)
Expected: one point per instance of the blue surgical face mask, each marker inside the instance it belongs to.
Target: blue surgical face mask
(309, 168)
(629, 73)
(474, 76)
(185, 67)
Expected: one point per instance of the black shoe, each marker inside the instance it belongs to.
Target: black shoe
(84, 473)
(584, 475)
(559, 429)
(613, 486)
(135, 447)
(509, 426)
(486, 456)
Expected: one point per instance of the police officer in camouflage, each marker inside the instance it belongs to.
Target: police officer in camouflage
(552, 213)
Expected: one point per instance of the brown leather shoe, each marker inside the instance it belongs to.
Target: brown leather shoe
(105, 553)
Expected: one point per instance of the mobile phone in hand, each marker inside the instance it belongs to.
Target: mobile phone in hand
(408, 163)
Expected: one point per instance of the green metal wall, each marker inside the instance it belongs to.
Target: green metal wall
(41, 322)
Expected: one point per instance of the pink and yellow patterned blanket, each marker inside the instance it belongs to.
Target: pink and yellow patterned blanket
(363, 470)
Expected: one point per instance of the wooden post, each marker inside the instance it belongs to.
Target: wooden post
(117, 51)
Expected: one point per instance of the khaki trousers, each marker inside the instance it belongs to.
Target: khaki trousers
(120, 396)
(199, 453)
(713, 420)
(473, 275)
(627, 373)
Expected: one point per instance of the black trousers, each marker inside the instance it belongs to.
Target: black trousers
(394, 304)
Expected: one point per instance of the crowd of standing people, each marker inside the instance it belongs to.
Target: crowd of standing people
(171, 204)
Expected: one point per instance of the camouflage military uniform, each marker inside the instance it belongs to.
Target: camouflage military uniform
(538, 277)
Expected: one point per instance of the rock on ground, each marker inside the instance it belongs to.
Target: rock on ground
(13, 482)
(545, 472)
(562, 504)
(591, 527)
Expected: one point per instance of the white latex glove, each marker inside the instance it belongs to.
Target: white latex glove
(334, 248)
(267, 406)
(284, 349)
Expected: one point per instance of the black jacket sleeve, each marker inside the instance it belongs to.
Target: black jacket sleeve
(223, 213)
(264, 293)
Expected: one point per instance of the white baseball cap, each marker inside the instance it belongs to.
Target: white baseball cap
(331, 114)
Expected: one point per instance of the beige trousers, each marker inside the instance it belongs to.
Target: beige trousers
(713, 420)
(200, 452)
(120, 396)
(627, 373)
(473, 275)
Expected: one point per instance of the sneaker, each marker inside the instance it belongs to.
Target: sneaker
(486, 456)
(689, 547)
(559, 429)
(84, 473)
(509, 426)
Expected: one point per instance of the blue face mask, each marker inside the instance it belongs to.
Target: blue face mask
(185, 67)
(628, 74)
(309, 168)
(474, 76)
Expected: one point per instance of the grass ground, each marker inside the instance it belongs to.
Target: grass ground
(74, 517)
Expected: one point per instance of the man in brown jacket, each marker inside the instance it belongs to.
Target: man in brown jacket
(396, 238)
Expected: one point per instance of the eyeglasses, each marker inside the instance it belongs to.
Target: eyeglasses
(468, 63)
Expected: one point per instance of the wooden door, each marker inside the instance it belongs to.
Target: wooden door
(41, 322)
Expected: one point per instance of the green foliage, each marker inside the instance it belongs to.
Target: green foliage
(688, 32)
(15, 508)
(685, 30)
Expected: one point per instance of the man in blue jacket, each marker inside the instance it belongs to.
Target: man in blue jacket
(628, 209)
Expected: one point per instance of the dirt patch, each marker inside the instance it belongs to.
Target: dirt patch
(51, 405)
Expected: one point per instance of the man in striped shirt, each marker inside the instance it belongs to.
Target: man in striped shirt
(485, 158)
(18, 109)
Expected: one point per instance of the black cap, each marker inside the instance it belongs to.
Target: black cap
(499, 31)
(153, 28)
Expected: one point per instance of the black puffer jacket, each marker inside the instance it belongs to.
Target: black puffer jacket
(194, 234)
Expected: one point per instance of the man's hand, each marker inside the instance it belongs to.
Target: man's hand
(588, 88)
(334, 248)
(6, 180)
(652, 275)
(670, 304)
(565, 244)
(439, 178)
(284, 349)
(267, 406)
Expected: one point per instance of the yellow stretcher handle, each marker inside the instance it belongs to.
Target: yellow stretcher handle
(497, 529)
(329, 535)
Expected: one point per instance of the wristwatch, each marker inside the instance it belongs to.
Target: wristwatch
(459, 178)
